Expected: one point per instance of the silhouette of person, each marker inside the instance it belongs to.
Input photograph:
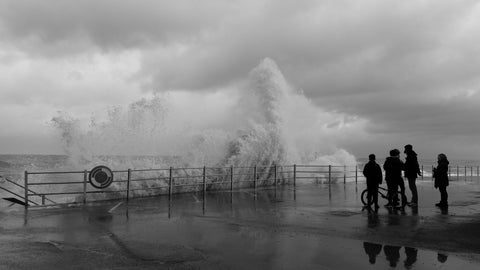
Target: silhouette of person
(393, 254)
(411, 254)
(440, 173)
(393, 167)
(442, 257)
(412, 169)
(372, 250)
(373, 174)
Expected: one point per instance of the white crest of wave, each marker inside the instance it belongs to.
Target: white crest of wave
(263, 121)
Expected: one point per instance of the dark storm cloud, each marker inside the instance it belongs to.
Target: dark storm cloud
(106, 24)
(410, 68)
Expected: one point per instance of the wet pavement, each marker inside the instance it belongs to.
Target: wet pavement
(309, 227)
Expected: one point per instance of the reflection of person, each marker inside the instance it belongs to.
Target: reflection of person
(412, 169)
(411, 254)
(442, 257)
(440, 173)
(373, 174)
(372, 251)
(393, 176)
(393, 254)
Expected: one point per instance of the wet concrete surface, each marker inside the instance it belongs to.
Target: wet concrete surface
(309, 227)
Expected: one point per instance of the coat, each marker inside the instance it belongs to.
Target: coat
(393, 167)
(441, 174)
(412, 168)
(373, 173)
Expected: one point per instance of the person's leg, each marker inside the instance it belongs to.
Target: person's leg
(390, 192)
(401, 184)
(375, 197)
(413, 188)
(443, 195)
(369, 196)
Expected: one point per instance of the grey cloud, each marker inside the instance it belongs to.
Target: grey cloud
(108, 24)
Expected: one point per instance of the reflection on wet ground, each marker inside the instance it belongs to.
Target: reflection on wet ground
(309, 227)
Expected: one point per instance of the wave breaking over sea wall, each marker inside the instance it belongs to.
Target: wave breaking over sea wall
(260, 121)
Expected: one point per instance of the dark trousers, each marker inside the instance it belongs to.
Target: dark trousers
(392, 192)
(443, 194)
(401, 184)
(413, 189)
(372, 196)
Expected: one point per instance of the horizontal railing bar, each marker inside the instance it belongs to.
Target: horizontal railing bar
(147, 170)
(150, 188)
(70, 172)
(179, 169)
(149, 179)
(54, 183)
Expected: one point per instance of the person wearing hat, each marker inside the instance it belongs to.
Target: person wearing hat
(412, 170)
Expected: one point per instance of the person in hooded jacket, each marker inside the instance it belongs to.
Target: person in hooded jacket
(393, 167)
(374, 176)
(440, 173)
(412, 169)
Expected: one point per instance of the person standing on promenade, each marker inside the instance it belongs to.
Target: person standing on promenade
(440, 173)
(393, 167)
(373, 174)
(412, 169)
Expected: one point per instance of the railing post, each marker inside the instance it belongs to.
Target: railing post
(465, 173)
(356, 174)
(422, 172)
(43, 199)
(255, 179)
(344, 174)
(231, 178)
(204, 178)
(329, 174)
(275, 177)
(26, 189)
(294, 175)
(471, 172)
(84, 186)
(129, 175)
(170, 183)
(458, 172)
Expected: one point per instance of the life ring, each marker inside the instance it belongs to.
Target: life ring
(101, 177)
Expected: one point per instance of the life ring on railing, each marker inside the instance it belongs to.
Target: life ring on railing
(101, 177)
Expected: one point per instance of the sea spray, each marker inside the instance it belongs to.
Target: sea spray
(273, 124)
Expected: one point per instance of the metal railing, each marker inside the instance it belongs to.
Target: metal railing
(72, 187)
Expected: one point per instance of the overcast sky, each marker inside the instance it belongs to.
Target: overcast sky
(410, 70)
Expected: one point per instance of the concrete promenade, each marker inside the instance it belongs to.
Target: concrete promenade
(305, 228)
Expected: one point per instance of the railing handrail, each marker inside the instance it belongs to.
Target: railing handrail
(178, 177)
